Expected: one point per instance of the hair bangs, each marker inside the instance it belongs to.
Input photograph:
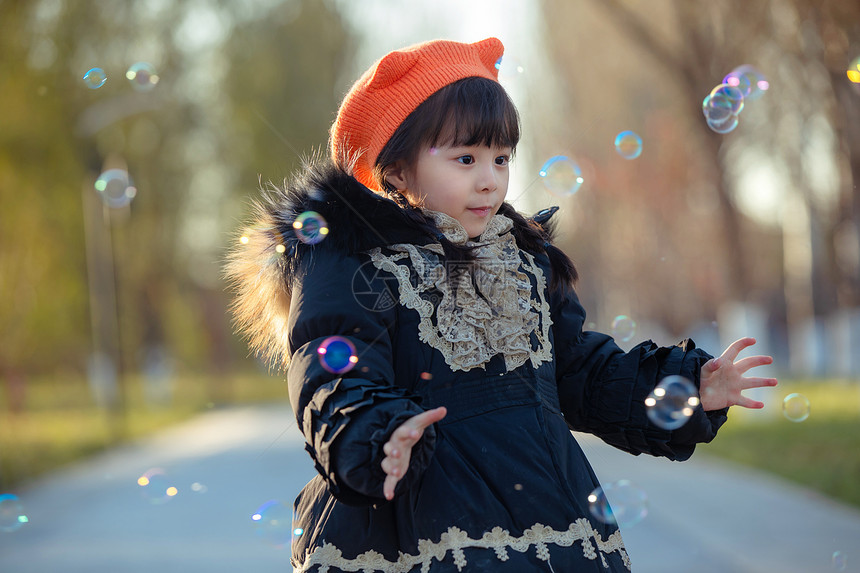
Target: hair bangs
(476, 111)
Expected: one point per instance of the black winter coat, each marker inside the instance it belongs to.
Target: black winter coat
(500, 484)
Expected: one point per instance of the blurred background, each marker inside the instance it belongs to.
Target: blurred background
(122, 188)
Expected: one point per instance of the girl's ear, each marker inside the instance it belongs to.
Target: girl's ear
(396, 176)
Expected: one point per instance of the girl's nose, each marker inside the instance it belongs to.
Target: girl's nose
(487, 180)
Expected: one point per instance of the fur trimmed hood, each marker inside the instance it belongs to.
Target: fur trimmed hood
(268, 254)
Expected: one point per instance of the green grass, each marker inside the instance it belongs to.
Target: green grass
(821, 452)
(56, 421)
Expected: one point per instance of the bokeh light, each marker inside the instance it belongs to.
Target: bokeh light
(509, 66)
(854, 71)
(337, 354)
(671, 403)
(795, 407)
(155, 486)
(142, 76)
(12, 515)
(561, 176)
(620, 503)
(95, 78)
(628, 144)
(310, 227)
(274, 523)
(115, 188)
(749, 80)
(623, 328)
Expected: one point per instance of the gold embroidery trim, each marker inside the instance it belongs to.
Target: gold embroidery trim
(456, 540)
(470, 326)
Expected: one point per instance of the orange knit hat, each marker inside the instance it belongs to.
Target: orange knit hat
(394, 86)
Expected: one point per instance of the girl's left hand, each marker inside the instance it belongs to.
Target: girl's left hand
(722, 379)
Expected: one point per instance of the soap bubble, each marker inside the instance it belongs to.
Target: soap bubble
(671, 403)
(628, 145)
(725, 126)
(115, 188)
(155, 486)
(337, 354)
(839, 561)
(619, 503)
(724, 100)
(142, 76)
(198, 487)
(95, 78)
(795, 407)
(310, 227)
(12, 515)
(274, 523)
(623, 328)
(561, 176)
(748, 80)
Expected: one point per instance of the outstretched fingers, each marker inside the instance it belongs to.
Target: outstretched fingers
(756, 382)
(735, 348)
(746, 402)
(398, 448)
(745, 364)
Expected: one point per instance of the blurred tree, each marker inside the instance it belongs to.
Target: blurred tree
(778, 184)
(236, 81)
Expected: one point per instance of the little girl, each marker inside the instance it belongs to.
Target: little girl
(440, 415)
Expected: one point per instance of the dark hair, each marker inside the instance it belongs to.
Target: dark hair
(470, 111)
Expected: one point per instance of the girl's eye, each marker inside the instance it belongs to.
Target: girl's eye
(502, 160)
(466, 159)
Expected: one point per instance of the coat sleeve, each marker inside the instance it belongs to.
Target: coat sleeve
(346, 418)
(602, 389)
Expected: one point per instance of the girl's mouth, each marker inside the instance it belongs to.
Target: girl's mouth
(481, 211)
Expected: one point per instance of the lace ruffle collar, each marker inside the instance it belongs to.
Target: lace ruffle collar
(456, 233)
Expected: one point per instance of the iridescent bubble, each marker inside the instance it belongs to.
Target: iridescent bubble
(748, 80)
(671, 403)
(723, 126)
(337, 354)
(155, 486)
(795, 407)
(561, 176)
(12, 515)
(724, 99)
(628, 144)
(619, 503)
(310, 227)
(95, 78)
(623, 328)
(142, 76)
(839, 561)
(274, 523)
(115, 188)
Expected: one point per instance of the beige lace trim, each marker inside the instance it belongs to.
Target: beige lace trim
(456, 540)
(470, 326)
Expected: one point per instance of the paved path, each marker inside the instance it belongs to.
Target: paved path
(704, 516)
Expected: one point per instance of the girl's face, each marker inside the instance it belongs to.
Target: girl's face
(466, 182)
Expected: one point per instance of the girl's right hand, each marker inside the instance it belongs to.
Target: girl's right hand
(398, 448)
